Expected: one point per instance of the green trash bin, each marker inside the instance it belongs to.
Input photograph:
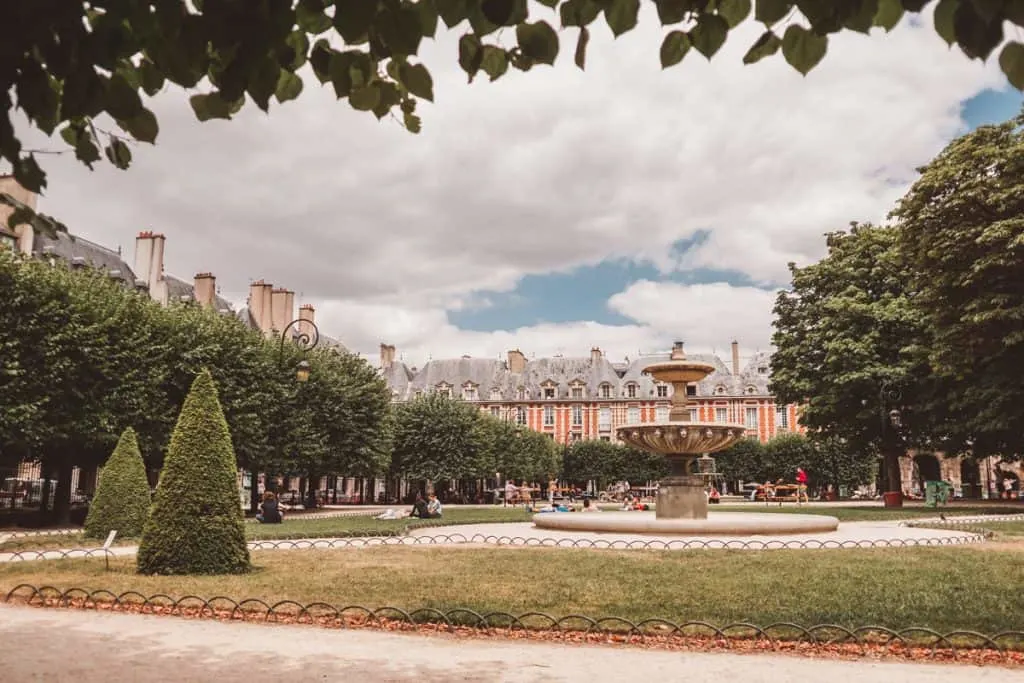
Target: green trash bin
(945, 492)
(931, 493)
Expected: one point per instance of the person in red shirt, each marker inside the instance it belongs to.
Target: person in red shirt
(801, 480)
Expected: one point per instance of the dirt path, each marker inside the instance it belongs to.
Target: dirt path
(87, 647)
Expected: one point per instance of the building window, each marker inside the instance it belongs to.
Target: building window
(577, 416)
(661, 414)
(520, 415)
(604, 418)
(693, 414)
(751, 390)
(751, 416)
(763, 370)
(606, 391)
(469, 393)
(691, 389)
(606, 438)
(445, 391)
(549, 416)
(662, 391)
(418, 394)
(496, 411)
(781, 419)
(495, 394)
(575, 436)
(577, 392)
(631, 390)
(521, 393)
(549, 392)
(721, 414)
(633, 416)
(720, 390)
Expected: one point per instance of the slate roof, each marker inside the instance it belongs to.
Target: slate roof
(563, 373)
(67, 247)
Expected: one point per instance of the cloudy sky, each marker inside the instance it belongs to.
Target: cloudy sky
(552, 211)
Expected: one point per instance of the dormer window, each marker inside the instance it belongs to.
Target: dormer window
(662, 390)
(577, 392)
(469, 392)
(762, 370)
(631, 391)
(720, 390)
(495, 394)
(549, 392)
(444, 390)
(521, 393)
(606, 390)
(418, 394)
(751, 390)
(691, 389)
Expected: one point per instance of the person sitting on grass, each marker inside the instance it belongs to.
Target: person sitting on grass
(434, 507)
(419, 508)
(270, 513)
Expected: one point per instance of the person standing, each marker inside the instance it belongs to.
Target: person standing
(801, 488)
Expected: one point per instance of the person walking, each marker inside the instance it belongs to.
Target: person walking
(801, 488)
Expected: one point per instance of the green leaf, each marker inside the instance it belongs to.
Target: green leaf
(417, 80)
(401, 30)
(578, 12)
(538, 41)
(71, 133)
(340, 69)
(29, 175)
(150, 78)
(428, 18)
(621, 15)
(320, 60)
(86, 150)
(709, 34)
(453, 12)
(765, 46)
(143, 126)
(944, 13)
(494, 62)
(118, 154)
(498, 12)
(470, 54)
(412, 122)
(299, 45)
(481, 25)
(210, 106)
(365, 98)
(263, 82)
(310, 17)
(353, 19)
(802, 48)
(889, 14)
(734, 11)
(769, 12)
(389, 97)
(672, 11)
(1011, 61)
(673, 48)
(123, 101)
(861, 16)
(977, 37)
(289, 86)
(581, 47)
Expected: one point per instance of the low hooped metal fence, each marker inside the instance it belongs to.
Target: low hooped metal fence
(915, 642)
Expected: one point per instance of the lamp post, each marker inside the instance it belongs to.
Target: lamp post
(306, 340)
(889, 395)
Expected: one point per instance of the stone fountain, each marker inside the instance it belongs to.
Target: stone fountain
(681, 495)
(682, 504)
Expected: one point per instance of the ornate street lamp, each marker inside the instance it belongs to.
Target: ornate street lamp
(305, 340)
(888, 395)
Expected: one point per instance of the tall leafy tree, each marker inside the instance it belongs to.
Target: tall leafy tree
(122, 500)
(841, 331)
(440, 438)
(593, 460)
(962, 234)
(743, 461)
(65, 64)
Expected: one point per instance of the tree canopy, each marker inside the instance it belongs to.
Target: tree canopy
(68, 65)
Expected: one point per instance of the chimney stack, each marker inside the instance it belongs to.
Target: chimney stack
(595, 356)
(149, 263)
(280, 314)
(307, 314)
(267, 312)
(735, 358)
(516, 362)
(255, 303)
(677, 351)
(387, 356)
(205, 289)
(25, 233)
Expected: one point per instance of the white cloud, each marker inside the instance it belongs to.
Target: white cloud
(539, 172)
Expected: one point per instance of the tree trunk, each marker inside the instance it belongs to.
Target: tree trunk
(893, 479)
(254, 494)
(62, 496)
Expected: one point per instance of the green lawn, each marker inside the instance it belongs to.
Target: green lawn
(297, 527)
(852, 513)
(942, 588)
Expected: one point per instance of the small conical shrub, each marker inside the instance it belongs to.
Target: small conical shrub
(196, 524)
(122, 494)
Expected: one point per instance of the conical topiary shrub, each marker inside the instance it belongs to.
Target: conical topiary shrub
(196, 524)
(122, 494)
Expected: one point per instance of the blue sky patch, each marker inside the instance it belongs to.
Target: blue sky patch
(583, 293)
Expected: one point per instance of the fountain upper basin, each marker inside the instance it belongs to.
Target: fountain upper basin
(682, 437)
(717, 523)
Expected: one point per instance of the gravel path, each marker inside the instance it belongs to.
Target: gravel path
(87, 647)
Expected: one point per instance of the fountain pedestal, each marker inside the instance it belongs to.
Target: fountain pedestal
(681, 494)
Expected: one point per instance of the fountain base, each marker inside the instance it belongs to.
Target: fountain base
(717, 524)
(682, 497)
